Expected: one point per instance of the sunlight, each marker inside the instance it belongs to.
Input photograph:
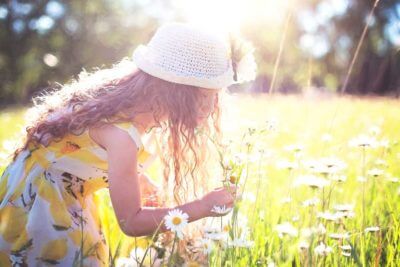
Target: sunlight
(225, 15)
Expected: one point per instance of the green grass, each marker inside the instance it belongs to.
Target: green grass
(322, 127)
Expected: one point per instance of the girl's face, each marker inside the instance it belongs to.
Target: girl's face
(207, 102)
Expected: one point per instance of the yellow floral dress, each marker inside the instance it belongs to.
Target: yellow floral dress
(48, 213)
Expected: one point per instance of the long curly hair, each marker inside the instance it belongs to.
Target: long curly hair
(125, 89)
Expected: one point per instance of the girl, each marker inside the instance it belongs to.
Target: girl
(88, 136)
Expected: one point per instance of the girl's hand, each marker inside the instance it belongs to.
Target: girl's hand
(149, 191)
(221, 196)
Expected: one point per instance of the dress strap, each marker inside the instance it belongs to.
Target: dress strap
(132, 131)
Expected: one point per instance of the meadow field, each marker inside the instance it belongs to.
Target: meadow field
(320, 179)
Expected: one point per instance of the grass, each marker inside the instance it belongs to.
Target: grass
(290, 131)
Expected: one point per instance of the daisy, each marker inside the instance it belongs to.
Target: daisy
(175, 221)
(221, 209)
(303, 245)
(372, 229)
(285, 164)
(311, 180)
(346, 254)
(207, 245)
(322, 249)
(375, 172)
(345, 247)
(344, 207)
(286, 228)
(339, 235)
(310, 202)
(363, 141)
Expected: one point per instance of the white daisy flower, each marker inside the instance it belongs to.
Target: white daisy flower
(239, 242)
(322, 249)
(344, 207)
(294, 148)
(221, 209)
(312, 181)
(345, 247)
(339, 235)
(207, 245)
(303, 245)
(393, 179)
(329, 165)
(285, 164)
(375, 172)
(286, 228)
(363, 141)
(175, 221)
(372, 229)
(310, 202)
(346, 254)
(338, 178)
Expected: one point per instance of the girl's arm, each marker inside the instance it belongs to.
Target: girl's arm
(133, 219)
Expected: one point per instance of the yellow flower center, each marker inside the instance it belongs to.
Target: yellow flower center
(176, 220)
(226, 228)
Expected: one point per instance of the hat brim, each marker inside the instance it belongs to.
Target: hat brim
(142, 59)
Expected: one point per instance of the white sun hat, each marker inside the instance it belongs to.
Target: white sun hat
(189, 54)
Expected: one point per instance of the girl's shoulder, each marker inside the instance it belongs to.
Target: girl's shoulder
(94, 133)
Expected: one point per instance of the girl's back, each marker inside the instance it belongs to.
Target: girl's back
(46, 201)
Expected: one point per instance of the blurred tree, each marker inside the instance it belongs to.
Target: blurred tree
(47, 41)
(321, 42)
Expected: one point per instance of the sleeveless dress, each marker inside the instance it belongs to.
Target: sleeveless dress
(48, 213)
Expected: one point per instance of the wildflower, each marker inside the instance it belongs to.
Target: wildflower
(344, 207)
(329, 216)
(285, 164)
(286, 228)
(303, 245)
(372, 229)
(345, 247)
(320, 229)
(322, 249)
(393, 179)
(375, 172)
(346, 254)
(339, 235)
(221, 209)
(330, 165)
(363, 141)
(381, 162)
(294, 148)
(338, 178)
(312, 181)
(310, 202)
(239, 243)
(175, 221)
(214, 233)
(207, 245)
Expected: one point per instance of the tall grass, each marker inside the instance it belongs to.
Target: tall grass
(320, 179)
